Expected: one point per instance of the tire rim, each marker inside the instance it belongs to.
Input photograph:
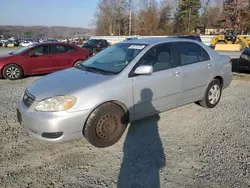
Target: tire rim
(214, 94)
(77, 64)
(13, 72)
(106, 126)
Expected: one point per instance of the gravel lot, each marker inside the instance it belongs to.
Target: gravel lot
(185, 147)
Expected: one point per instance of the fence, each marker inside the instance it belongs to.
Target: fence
(206, 39)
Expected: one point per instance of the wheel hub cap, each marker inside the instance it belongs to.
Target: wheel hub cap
(214, 94)
(12, 72)
(106, 127)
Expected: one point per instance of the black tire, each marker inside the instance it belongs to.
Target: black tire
(12, 68)
(106, 125)
(205, 102)
(77, 63)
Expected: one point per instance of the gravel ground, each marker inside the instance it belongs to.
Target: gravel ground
(4, 50)
(185, 147)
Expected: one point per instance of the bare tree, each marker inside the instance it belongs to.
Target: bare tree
(236, 14)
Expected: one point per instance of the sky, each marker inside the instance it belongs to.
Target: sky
(72, 13)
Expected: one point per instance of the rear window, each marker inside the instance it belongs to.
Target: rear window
(93, 42)
(190, 53)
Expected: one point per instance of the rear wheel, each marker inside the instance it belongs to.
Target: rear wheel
(106, 125)
(12, 72)
(77, 63)
(213, 95)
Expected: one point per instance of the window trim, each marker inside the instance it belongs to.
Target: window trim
(38, 46)
(64, 45)
(178, 53)
(131, 73)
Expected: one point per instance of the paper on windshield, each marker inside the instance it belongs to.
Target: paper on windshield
(137, 47)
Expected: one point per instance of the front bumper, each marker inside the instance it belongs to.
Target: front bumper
(56, 127)
(1, 70)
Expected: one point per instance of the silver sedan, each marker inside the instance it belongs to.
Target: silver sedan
(123, 83)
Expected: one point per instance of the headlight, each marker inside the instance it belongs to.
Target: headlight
(56, 104)
(246, 57)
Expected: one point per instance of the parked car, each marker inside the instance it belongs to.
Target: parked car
(16, 42)
(244, 61)
(192, 37)
(96, 45)
(40, 59)
(10, 43)
(51, 40)
(26, 43)
(121, 84)
(4, 43)
(130, 38)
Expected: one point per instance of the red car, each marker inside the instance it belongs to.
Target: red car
(41, 58)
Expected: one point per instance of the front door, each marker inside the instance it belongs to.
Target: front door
(159, 91)
(197, 70)
(41, 62)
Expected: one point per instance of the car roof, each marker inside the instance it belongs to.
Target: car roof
(61, 43)
(158, 40)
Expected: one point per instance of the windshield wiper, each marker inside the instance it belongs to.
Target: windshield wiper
(94, 69)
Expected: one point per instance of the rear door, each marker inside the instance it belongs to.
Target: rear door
(42, 61)
(196, 68)
(62, 56)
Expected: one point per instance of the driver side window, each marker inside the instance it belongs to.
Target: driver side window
(41, 50)
(160, 57)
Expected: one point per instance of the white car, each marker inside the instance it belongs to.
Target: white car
(26, 43)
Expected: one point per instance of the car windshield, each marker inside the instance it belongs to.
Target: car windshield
(92, 42)
(22, 50)
(114, 58)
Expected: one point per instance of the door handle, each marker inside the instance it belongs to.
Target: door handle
(209, 66)
(176, 73)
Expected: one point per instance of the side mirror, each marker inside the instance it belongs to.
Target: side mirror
(32, 54)
(144, 70)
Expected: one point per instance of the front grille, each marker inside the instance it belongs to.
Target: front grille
(28, 99)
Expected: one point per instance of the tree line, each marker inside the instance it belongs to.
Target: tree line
(170, 17)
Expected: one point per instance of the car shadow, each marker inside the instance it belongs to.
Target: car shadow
(143, 153)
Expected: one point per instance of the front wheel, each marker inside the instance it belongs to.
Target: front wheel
(213, 95)
(12, 72)
(106, 125)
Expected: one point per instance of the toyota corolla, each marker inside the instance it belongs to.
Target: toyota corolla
(123, 83)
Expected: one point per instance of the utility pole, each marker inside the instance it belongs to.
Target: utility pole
(130, 17)
(130, 21)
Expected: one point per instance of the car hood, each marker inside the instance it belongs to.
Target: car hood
(65, 82)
